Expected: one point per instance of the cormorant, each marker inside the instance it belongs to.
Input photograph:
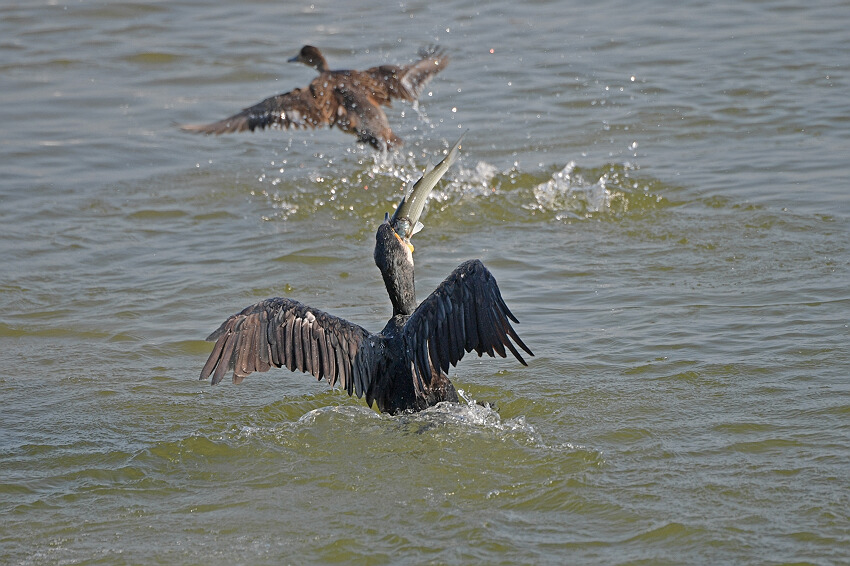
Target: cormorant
(405, 366)
(350, 100)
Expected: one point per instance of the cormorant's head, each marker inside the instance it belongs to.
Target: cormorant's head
(312, 57)
(393, 250)
(403, 228)
(394, 257)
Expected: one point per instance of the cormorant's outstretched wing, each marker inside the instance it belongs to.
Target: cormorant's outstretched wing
(282, 332)
(299, 108)
(406, 81)
(466, 312)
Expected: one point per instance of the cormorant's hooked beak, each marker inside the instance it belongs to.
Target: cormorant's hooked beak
(405, 220)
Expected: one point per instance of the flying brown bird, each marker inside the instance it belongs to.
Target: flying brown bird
(349, 100)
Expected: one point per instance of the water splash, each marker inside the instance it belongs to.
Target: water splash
(481, 191)
(574, 194)
(471, 416)
(345, 412)
(481, 180)
(281, 423)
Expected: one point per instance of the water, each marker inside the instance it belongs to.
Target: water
(659, 188)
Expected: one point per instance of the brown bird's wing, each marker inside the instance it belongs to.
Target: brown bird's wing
(466, 312)
(299, 108)
(282, 332)
(359, 114)
(405, 82)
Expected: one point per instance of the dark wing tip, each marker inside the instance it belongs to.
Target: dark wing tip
(216, 333)
(237, 123)
(433, 51)
(195, 128)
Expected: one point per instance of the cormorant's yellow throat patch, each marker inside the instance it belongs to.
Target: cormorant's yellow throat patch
(408, 244)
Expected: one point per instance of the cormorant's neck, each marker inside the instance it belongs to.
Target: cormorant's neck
(395, 260)
(401, 289)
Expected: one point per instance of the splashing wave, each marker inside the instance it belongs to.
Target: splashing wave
(574, 194)
(570, 193)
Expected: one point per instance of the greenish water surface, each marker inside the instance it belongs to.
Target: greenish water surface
(660, 190)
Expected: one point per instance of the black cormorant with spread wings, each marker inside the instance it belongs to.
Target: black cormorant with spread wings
(405, 366)
(348, 99)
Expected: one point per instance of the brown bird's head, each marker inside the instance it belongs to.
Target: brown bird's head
(312, 57)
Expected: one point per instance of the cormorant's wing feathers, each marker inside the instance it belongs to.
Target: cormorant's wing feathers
(282, 332)
(466, 312)
(299, 108)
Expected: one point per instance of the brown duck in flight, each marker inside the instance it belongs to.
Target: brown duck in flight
(405, 366)
(349, 100)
